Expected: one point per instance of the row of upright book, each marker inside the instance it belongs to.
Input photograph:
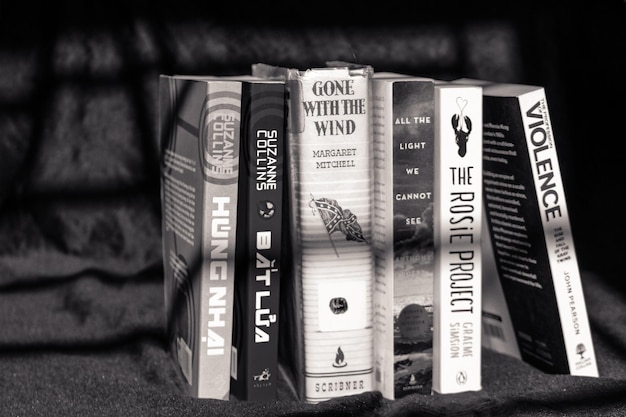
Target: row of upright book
(362, 231)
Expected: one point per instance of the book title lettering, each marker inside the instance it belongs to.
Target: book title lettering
(334, 100)
(413, 119)
(337, 98)
(218, 271)
(541, 140)
(263, 317)
(460, 238)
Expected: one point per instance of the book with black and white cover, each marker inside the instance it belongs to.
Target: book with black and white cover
(404, 147)
(330, 179)
(199, 136)
(531, 234)
(458, 229)
(258, 269)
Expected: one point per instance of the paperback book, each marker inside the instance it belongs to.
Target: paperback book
(330, 196)
(458, 229)
(531, 235)
(199, 134)
(254, 365)
(404, 148)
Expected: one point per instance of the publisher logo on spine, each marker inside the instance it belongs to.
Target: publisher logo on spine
(461, 378)
(262, 380)
(462, 126)
(340, 359)
(583, 361)
(266, 209)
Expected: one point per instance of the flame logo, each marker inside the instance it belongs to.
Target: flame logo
(339, 359)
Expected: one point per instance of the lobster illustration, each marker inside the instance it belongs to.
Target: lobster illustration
(461, 135)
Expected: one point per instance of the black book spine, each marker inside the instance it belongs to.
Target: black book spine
(258, 270)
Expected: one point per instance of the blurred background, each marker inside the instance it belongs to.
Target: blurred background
(78, 116)
(81, 281)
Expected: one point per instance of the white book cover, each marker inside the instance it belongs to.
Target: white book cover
(333, 202)
(458, 230)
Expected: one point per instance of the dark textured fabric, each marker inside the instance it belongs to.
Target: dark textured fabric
(81, 295)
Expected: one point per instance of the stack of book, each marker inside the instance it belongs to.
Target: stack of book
(368, 230)
(222, 143)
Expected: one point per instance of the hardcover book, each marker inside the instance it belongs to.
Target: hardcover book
(404, 143)
(259, 241)
(330, 191)
(458, 228)
(531, 234)
(199, 133)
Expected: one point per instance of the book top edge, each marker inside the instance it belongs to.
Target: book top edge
(393, 76)
(330, 72)
(221, 78)
(498, 89)
(336, 71)
(509, 90)
(448, 85)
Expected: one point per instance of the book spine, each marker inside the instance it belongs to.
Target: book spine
(255, 339)
(199, 194)
(458, 228)
(330, 141)
(219, 146)
(403, 114)
(565, 272)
